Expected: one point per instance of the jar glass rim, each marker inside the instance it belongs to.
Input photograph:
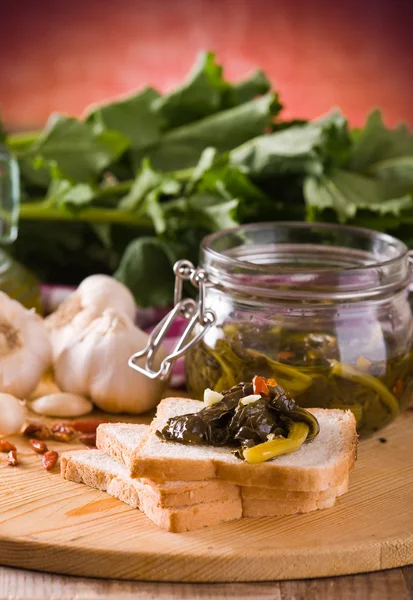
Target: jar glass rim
(372, 263)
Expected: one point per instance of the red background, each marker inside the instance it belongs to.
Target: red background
(60, 55)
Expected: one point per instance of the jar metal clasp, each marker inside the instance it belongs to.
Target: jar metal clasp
(194, 312)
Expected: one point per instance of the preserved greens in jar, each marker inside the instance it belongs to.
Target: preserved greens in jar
(309, 366)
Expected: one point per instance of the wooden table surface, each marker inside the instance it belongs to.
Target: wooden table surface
(395, 584)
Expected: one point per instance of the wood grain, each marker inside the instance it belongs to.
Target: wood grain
(384, 585)
(53, 525)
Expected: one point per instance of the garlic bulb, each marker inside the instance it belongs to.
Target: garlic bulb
(25, 351)
(92, 297)
(95, 364)
(12, 414)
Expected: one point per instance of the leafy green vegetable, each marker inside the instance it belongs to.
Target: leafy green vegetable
(231, 422)
(174, 167)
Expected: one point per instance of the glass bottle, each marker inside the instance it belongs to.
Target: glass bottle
(9, 196)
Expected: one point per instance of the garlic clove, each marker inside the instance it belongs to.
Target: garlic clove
(61, 404)
(250, 399)
(211, 397)
(12, 414)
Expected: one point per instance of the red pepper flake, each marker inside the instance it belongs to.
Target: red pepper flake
(86, 426)
(6, 446)
(49, 459)
(285, 355)
(260, 386)
(88, 439)
(39, 446)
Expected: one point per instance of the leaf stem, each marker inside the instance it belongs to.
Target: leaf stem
(18, 142)
(42, 211)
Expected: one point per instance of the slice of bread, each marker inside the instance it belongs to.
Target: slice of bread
(254, 507)
(100, 471)
(97, 470)
(118, 440)
(317, 465)
(275, 495)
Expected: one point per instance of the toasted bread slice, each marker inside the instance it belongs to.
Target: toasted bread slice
(97, 470)
(318, 465)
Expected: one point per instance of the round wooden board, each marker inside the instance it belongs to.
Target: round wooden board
(53, 525)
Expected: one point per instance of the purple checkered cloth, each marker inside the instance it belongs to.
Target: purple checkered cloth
(146, 319)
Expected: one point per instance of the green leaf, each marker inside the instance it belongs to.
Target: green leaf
(147, 181)
(214, 214)
(206, 161)
(208, 212)
(132, 116)
(299, 149)
(32, 175)
(200, 96)
(182, 147)
(73, 146)
(255, 85)
(63, 193)
(375, 144)
(146, 268)
(221, 178)
(347, 192)
(154, 210)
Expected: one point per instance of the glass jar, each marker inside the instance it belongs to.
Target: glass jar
(324, 309)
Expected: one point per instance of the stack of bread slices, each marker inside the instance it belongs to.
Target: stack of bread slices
(186, 487)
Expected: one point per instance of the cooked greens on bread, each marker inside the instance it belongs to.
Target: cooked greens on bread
(259, 419)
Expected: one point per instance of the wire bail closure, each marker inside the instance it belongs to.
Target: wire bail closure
(194, 312)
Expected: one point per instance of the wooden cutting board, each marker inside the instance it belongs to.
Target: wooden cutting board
(53, 525)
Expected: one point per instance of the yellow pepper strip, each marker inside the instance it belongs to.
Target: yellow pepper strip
(261, 452)
(349, 372)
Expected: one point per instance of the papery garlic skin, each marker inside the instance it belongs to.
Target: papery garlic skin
(104, 292)
(12, 415)
(95, 294)
(96, 365)
(25, 351)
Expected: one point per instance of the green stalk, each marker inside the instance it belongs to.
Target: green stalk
(42, 211)
(349, 372)
(18, 142)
